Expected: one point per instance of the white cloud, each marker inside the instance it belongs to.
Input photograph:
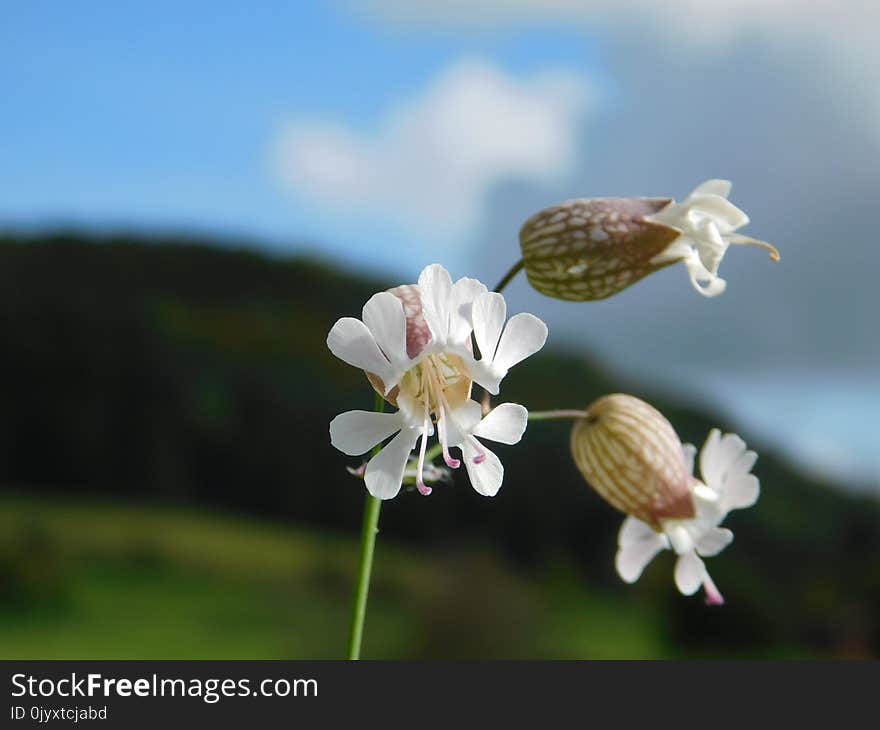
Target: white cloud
(690, 20)
(435, 156)
(843, 32)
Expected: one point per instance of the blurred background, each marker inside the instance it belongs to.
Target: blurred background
(191, 194)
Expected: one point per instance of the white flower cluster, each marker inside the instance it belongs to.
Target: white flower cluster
(423, 346)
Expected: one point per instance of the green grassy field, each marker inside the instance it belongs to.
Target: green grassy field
(90, 579)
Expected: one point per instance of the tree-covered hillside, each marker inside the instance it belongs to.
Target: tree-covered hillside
(190, 374)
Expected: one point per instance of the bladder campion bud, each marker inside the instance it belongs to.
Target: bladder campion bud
(593, 248)
(630, 454)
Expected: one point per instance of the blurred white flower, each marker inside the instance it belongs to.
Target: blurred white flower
(415, 345)
(725, 466)
(631, 455)
(707, 222)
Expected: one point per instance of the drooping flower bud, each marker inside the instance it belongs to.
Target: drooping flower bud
(630, 454)
(592, 248)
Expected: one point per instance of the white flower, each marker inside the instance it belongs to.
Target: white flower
(415, 344)
(630, 454)
(727, 484)
(707, 222)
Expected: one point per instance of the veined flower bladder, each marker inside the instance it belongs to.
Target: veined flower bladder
(415, 343)
(630, 454)
(593, 248)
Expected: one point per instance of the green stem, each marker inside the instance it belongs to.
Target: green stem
(552, 415)
(368, 545)
(514, 270)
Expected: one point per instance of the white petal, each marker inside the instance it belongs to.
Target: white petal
(714, 541)
(384, 316)
(704, 494)
(679, 536)
(485, 375)
(710, 246)
(384, 473)
(709, 454)
(720, 210)
(505, 424)
(671, 215)
(461, 421)
(524, 335)
(489, 311)
(464, 293)
(689, 573)
(356, 432)
(633, 557)
(634, 530)
(411, 410)
(689, 451)
(681, 249)
(713, 187)
(467, 416)
(744, 463)
(352, 342)
(486, 477)
(719, 454)
(710, 513)
(740, 492)
(703, 280)
(435, 291)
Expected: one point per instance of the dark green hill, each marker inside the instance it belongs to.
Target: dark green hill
(186, 373)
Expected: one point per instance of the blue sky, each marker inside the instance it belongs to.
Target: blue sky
(165, 114)
(388, 134)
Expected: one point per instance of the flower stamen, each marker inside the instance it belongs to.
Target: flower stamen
(713, 595)
(481, 454)
(443, 406)
(424, 489)
(444, 410)
(746, 241)
(442, 435)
